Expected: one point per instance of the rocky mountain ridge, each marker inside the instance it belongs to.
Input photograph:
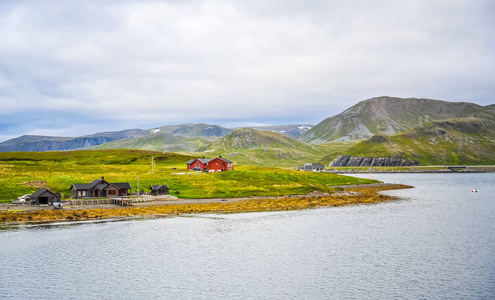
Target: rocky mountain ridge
(390, 115)
(362, 161)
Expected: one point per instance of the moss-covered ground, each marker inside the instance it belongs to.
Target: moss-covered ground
(25, 172)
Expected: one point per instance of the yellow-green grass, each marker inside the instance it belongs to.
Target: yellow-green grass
(368, 195)
(25, 172)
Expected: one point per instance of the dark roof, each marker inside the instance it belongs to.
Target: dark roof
(41, 192)
(81, 186)
(229, 161)
(123, 185)
(156, 187)
(38, 192)
(202, 160)
(95, 183)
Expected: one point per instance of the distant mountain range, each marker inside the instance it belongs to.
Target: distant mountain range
(388, 115)
(172, 138)
(28, 143)
(355, 131)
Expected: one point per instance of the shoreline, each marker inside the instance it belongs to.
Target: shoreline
(351, 195)
(421, 169)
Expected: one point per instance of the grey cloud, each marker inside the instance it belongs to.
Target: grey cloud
(156, 62)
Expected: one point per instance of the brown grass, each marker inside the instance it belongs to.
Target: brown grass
(369, 195)
(36, 183)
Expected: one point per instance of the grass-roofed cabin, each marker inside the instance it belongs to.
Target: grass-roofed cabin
(45, 196)
(99, 188)
(158, 190)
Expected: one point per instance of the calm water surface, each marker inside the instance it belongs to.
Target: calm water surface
(436, 243)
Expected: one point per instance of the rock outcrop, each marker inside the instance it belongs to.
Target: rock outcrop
(361, 161)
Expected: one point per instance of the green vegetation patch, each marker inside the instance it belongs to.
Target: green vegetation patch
(25, 172)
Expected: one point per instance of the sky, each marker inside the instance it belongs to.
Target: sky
(71, 68)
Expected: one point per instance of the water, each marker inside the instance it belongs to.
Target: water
(437, 243)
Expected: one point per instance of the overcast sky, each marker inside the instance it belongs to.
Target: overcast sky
(69, 68)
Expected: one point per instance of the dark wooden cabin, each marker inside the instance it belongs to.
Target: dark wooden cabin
(45, 196)
(99, 188)
(158, 190)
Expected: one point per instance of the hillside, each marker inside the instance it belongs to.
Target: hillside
(388, 116)
(25, 172)
(51, 143)
(289, 130)
(454, 141)
(193, 130)
(250, 146)
(158, 141)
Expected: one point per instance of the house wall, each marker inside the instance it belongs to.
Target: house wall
(196, 164)
(217, 165)
(112, 192)
(50, 196)
(162, 191)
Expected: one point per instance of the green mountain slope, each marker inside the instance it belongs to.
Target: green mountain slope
(389, 115)
(253, 147)
(454, 141)
(158, 142)
(171, 138)
(195, 130)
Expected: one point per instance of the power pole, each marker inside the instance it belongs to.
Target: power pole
(152, 164)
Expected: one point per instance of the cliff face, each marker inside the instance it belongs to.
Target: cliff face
(361, 161)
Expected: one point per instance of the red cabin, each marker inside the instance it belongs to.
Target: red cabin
(200, 163)
(218, 164)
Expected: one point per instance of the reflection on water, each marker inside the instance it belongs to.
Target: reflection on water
(436, 244)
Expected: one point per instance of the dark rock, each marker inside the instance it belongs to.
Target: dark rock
(362, 161)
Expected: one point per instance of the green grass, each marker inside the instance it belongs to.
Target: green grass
(24, 172)
(444, 142)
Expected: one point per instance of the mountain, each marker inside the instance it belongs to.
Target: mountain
(254, 147)
(454, 141)
(50, 143)
(158, 141)
(289, 130)
(172, 138)
(195, 130)
(388, 115)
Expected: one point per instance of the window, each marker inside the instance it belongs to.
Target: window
(112, 192)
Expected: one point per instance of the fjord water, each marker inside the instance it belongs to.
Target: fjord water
(438, 242)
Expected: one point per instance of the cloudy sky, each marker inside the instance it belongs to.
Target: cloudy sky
(69, 68)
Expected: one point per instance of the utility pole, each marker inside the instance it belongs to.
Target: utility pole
(152, 164)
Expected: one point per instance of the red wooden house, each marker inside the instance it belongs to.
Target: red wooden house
(218, 164)
(198, 164)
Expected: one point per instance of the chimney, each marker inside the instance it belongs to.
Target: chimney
(203, 157)
(102, 178)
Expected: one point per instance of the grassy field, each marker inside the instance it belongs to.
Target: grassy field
(25, 172)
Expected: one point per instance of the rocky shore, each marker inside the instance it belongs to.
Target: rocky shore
(346, 196)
